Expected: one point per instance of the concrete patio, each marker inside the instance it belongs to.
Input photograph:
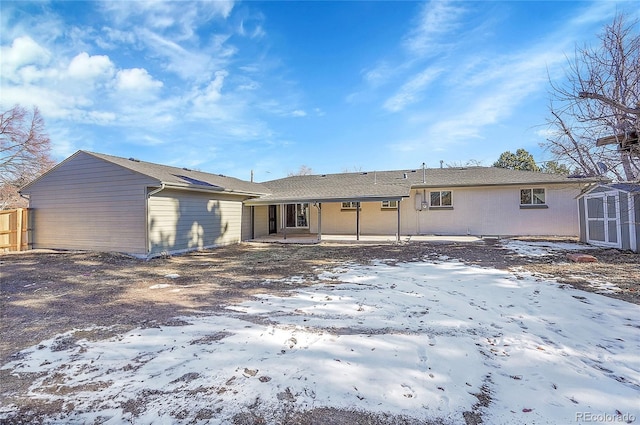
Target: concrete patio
(312, 238)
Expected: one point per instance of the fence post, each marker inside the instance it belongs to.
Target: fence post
(19, 229)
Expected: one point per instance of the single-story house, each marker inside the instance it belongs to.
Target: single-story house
(610, 215)
(451, 201)
(92, 201)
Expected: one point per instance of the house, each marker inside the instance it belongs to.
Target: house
(610, 215)
(449, 201)
(93, 201)
(100, 202)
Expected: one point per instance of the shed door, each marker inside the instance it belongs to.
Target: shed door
(603, 219)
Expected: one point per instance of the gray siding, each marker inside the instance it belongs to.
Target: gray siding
(625, 220)
(89, 204)
(247, 226)
(261, 220)
(583, 220)
(181, 221)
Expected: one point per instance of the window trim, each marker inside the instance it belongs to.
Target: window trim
(353, 205)
(390, 204)
(440, 207)
(532, 205)
(303, 205)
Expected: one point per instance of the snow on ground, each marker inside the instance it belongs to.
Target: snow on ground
(416, 339)
(542, 248)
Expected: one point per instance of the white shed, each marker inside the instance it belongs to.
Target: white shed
(610, 216)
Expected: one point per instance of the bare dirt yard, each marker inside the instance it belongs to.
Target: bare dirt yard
(44, 294)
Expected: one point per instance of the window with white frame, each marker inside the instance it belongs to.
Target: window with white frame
(441, 198)
(531, 197)
(297, 215)
(389, 204)
(349, 205)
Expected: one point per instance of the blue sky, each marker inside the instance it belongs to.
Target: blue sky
(230, 87)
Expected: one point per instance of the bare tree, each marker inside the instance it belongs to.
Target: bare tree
(24, 152)
(302, 171)
(460, 164)
(600, 98)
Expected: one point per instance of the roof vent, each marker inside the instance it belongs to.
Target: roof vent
(134, 159)
(187, 169)
(365, 173)
(404, 176)
(324, 175)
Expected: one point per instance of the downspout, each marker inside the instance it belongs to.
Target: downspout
(153, 192)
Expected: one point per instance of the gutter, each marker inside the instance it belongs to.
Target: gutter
(153, 192)
(273, 201)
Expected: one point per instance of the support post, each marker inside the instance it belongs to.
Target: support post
(283, 214)
(319, 206)
(398, 234)
(357, 221)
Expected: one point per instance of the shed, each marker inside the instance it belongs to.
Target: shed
(93, 201)
(610, 215)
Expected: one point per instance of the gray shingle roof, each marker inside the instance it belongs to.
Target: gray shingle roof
(183, 177)
(627, 187)
(376, 185)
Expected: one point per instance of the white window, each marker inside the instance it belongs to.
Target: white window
(349, 205)
(441, 198)
(390, 204)
(532, 197)
(297, 215)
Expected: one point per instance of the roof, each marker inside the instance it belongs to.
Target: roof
(360, 186)
(629, 187)
(336, 188)
(185, 177)
(378, 185)
(173, 177)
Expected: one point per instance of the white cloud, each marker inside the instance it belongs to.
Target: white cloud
(21, 60)
(177, 18)
(437, 19)
(411, 91)
(88, 67)
(298, 113)
(136, 80)
(24, 51)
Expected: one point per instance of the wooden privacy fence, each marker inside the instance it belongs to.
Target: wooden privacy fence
(14, 230)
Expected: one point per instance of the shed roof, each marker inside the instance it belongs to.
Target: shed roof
(630, 187)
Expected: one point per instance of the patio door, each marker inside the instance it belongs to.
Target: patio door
(603, 219)
(296, 215)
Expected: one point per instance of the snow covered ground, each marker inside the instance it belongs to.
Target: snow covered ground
(417, 339)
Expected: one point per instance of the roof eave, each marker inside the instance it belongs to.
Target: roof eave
(576, 181)
(297, 200)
